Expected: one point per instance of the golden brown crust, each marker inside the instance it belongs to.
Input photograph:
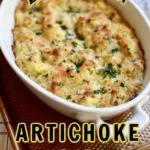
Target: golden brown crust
(82, 51)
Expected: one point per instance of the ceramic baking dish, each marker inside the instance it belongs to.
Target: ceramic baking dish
(135, 18)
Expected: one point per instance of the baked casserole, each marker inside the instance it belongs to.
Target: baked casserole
(80, 50)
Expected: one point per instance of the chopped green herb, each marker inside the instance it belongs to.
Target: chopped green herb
(53, 42)
(73, 51)
(134, 95)
(112, 16)
(85, 81)
(110, 71)
(103, 90)
(68, 97)
(78, 65)
(97, 91)
(71, 10)
(115, 50)
(38, 33)
(75, 44)
(46, 75)
(90, 71)
(71, 76)
(64, 27)
(60, 22)
(119, 65)
(122, 84)
(96, 57)
(133, 60)
(60, 84)
(32, 1)
(68, 70)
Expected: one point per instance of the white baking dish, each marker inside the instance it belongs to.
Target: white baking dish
(82, 113)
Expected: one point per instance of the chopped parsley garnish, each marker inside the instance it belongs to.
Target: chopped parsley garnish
(46, 75)
(71, 10)
(68, 70)
(38, 33)
(119, 65)
(97, 91)
(60, 22)
(112, 16)
(122, 84)
(110, 71)
(68, 97)
(115, 50)
(73, 51)
(64, 60)
(60, 84)
(64, 27)
(90, 71)
(134, 95)
(96, 57)
(71, 76)
(85, 81)
(78, 66)
(75, 44)
(102, 90)
(32, 1)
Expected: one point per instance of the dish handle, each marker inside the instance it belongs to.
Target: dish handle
(139, 116)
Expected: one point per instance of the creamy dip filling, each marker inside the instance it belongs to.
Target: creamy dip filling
(80, 50)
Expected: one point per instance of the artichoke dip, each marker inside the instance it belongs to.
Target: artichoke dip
(80, 50)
